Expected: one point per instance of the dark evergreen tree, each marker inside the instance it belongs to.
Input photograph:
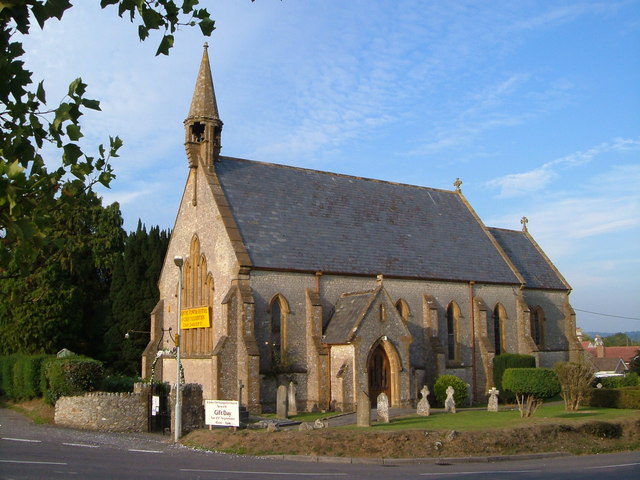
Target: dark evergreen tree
(63, 300)
(134, 293)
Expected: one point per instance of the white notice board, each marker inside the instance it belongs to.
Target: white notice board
(222, 412)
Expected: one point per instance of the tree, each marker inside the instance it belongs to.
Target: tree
(531, 386)
(575, 382)
(617, 340)
(30, 189)
(133, 294)
(63, 300)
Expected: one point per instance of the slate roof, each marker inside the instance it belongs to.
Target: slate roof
(533, 265)
(349, 310)
(297, 219)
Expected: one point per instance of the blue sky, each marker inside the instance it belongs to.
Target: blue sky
(534, 105)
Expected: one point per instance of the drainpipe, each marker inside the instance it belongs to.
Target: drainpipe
(473, 341)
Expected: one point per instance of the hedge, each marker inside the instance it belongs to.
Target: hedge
(538, 382)
(21, 376)
(626, 397)
(70, 376)
(629, 380)
(509, 360)
(442, 382)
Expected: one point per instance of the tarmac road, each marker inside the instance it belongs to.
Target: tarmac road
(29, 451)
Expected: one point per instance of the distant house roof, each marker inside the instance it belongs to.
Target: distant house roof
(305, 220)
(625, 353)
(533, 265)
(609, 365)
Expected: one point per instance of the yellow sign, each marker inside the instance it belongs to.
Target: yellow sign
(195, 318)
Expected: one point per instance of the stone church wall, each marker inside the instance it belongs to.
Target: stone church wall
(114, 412)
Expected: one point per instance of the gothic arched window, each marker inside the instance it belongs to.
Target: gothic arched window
(403, 310)
(537, 325)
(278, 310)
(499, 315)
(453, 315)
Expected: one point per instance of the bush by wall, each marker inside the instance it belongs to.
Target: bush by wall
(531, 386)
(118, 384)
(460, 388)
(626, 397)
(509, 360)
(70, 376)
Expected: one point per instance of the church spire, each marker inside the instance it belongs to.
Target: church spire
(203, 127)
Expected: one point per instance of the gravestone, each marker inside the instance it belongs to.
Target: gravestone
(450, 403)
(492, 406)
(363, 410)
(424, 408)
(320, 423)
(281, 402)
(383, 408)
(292, 407)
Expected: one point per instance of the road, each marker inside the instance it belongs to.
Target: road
(29, 451)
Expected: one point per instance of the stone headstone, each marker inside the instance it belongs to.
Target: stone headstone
(305, 426)
(281, 402)
(273, 427)
(492, 406)
(292, 407)
(383, 408)
(450, 403)
(320, 423)
(363, 410)
(424, 408)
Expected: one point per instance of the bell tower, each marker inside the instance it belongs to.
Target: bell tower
(203, 127)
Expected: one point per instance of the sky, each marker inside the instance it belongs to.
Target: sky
(534, 105)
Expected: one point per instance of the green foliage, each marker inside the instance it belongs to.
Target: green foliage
(63, 300)
(531, 386)
(575, 381)
(118, 383)
(20, 376)
(601, 429)
(509, 360)
(626, 397)
(133, 295)
(629, 380)
(460, 388)
(30, 189)
(70, 376)
(634, 365)
(618, 340)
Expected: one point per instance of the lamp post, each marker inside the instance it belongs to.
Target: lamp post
(179, 261)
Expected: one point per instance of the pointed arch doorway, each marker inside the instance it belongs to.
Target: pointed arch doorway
(379, 370)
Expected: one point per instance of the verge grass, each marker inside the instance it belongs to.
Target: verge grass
(507, 417)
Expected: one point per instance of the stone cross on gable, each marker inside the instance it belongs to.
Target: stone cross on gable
(524, 221)
(457, 184)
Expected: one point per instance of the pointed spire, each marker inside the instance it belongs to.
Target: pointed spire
(203, 103)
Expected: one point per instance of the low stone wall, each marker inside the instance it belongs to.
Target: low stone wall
(114, 412)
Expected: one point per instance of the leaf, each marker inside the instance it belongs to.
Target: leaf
(92, 104)
(71, 154)
(14, 169)
(187, 5)
(165, 45)
(74, 133)
(207, 26)
(152, 19)
(40, 94)
(104, 3)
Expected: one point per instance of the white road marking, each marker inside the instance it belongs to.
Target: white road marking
(613, 466)
(80, 445)
(241, 472)
(21, 440)
(33, 463)
(145, 451)
(494, 472)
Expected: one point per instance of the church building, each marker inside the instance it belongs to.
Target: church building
(340, 284)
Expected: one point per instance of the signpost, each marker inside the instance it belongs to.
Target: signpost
(222, 412)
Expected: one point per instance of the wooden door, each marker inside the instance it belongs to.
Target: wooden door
(379, 375)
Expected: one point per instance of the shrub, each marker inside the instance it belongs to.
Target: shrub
(601, 429)
(509, 360)
(627, 397)
(118, 384)
(531, 386)
(629, 380)
(575, 381)
(444, 381)
(71, 376)
(6, 375)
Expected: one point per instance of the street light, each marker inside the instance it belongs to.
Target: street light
(179, 261)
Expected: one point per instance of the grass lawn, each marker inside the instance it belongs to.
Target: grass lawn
(469, 420)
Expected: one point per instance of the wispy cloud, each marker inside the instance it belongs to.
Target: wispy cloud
(525, 183)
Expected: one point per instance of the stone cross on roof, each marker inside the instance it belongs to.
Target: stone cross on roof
(457, 184)
(524, 221)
